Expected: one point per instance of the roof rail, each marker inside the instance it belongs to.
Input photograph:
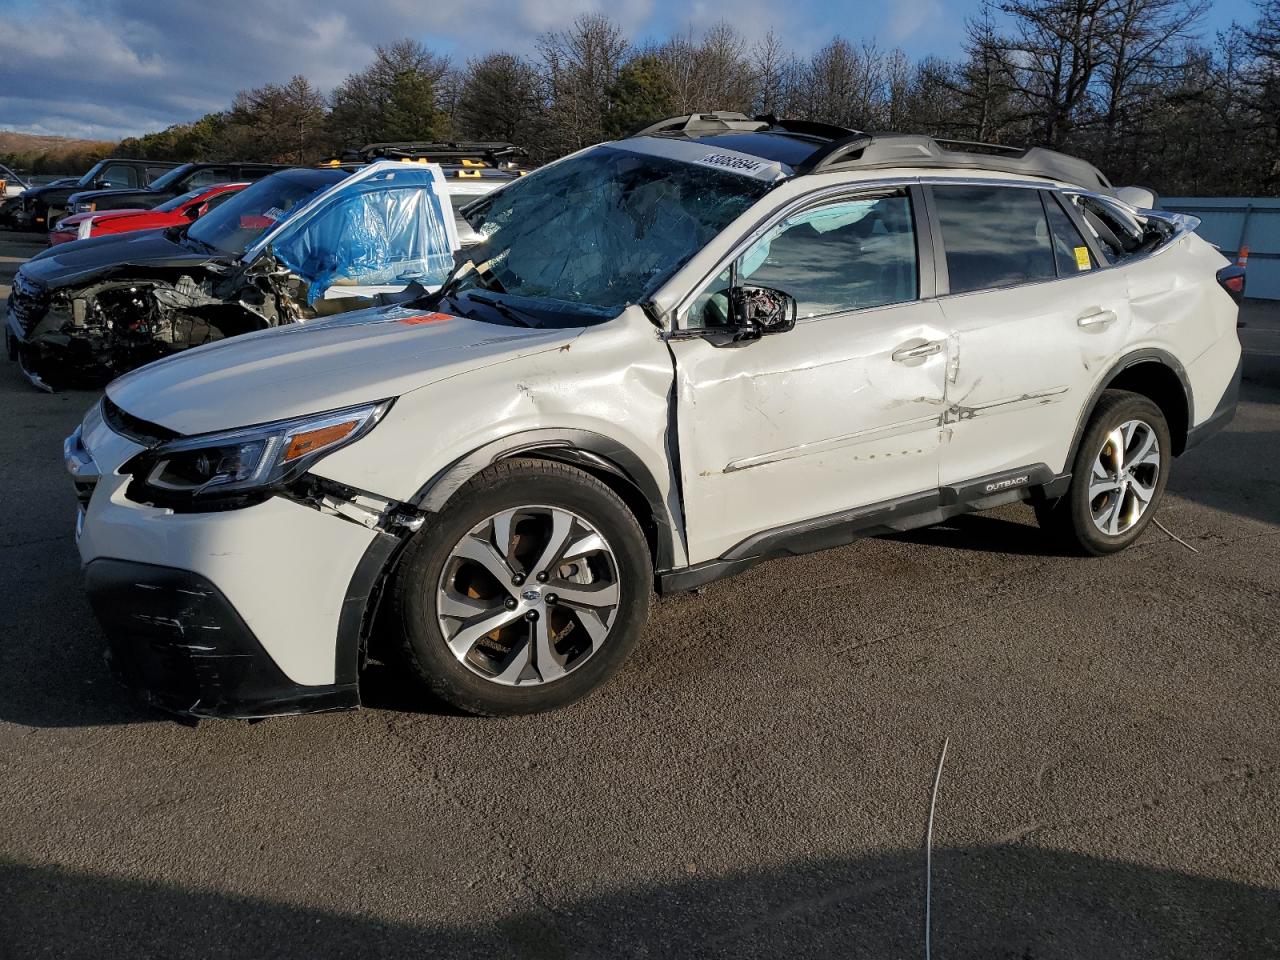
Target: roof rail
(870, 151)
(695, 123)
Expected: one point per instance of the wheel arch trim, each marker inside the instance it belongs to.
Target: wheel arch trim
(1127, 362)
(592, 451)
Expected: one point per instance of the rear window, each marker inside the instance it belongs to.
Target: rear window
(993, 236)
(1120, 233)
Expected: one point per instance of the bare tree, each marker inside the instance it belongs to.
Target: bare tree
(579, 66)
(774, 69)
(1057, 47)
(1136, 58)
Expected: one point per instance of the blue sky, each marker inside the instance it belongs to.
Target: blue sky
(110, 68)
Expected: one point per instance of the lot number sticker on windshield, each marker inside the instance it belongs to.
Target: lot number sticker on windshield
(1082, 258)
(734, 162)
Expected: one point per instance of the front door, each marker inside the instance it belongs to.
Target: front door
(842, 411)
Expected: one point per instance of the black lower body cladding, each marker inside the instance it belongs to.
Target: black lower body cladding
(181, 646)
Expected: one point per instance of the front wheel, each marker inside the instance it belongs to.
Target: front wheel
(1117, 479)
(527, 592)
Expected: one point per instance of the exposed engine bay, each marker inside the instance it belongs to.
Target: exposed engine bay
(95, 333)
(296, 246)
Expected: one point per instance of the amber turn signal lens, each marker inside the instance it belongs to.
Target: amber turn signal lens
(301, 444)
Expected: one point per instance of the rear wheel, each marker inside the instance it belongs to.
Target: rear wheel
(1117, 479)
(527, 593)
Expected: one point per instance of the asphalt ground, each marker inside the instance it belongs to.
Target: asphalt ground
(755, 782)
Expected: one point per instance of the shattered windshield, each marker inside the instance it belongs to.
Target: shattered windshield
(232, 227)
(601, 230)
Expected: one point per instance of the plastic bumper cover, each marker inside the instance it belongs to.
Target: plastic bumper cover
(179, 643)
(1222, 414)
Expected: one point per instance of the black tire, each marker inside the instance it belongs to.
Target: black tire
(1069, 519)
(412, 615)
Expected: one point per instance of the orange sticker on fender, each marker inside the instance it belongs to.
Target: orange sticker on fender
(427, 318)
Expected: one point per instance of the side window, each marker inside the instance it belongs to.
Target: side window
(843, 256)
(207, 177)
(1119, 233)
(1069, 249)
(155, 173)
(120, 175)
(218, 199)
(993, 236)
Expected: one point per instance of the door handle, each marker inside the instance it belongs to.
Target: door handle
(1099, 318)
(903, 354)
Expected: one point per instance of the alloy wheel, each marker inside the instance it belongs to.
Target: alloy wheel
(528, 595)
(1124, 477)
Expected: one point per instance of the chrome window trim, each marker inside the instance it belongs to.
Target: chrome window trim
(850, 188)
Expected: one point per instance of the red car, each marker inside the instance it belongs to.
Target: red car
(176, 212)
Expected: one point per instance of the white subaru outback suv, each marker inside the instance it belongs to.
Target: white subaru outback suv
(670, 357)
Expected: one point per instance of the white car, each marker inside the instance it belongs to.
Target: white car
(11, 185)
(670, 357)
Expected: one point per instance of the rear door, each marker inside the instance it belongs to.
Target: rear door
(1034, 318)
(839, 413)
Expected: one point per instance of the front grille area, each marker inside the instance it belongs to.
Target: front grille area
(29, 302)
(135, 428)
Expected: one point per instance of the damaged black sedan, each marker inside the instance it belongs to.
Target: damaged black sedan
(297, 245)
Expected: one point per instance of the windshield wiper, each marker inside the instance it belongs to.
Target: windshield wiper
(509, 312)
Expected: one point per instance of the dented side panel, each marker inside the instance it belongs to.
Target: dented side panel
(1179, 308)
(1023, 362)
(807, 423)
(613, 379)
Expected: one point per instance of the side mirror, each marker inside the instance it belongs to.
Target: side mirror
(757, 311)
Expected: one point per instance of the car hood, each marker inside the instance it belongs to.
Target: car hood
(71, 263)
(319, 365)
(77, 218)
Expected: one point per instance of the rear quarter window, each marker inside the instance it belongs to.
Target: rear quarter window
(1121, 234)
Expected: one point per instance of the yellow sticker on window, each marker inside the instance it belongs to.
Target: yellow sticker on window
(1082, 258)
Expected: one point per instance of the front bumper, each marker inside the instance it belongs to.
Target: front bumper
(177, 641)
(249, 612)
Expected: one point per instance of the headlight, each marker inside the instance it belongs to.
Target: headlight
(237, 467)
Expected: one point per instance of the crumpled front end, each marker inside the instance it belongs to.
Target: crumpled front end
(244, 613)
(87, 336)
